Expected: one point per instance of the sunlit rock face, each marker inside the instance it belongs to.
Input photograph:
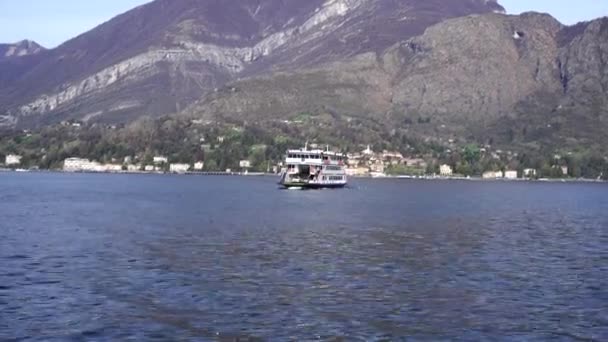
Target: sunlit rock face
(22, 48)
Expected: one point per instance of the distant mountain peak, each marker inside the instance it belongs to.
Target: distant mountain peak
(22, 48)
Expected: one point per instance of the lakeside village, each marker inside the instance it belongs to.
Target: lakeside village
(366, 163)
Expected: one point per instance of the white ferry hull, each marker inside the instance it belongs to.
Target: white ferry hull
(295, 185)
(303, 184)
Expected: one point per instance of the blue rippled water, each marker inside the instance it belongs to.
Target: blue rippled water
(115, 257)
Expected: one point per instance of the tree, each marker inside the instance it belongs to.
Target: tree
(472, 153)
(211, 165)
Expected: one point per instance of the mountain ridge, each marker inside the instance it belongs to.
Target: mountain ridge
(172, 45)
(19, 49)
(463, 66)
(523, 71)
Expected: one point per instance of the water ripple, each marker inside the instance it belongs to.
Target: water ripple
(229, 259)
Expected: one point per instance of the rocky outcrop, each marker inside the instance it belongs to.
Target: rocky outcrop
(477, 67)
(583, 67)
(20, 49)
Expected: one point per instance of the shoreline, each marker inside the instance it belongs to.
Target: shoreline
(264, 174)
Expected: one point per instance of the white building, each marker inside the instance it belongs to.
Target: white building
(529, 172)
(161, 160)
(179, 168)
(149, 168)
(445, 170)
(353, 159)
(245, 164)
(199, 166)
(389, 155)
(510, 174)
(80, 164)
(110, 168)
(85, 165)
(357, 171)
(12, 159)
(492, 175)
(133, 167)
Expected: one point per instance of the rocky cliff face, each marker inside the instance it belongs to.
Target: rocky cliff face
(475, 71)
(583, 66)
(160, 57)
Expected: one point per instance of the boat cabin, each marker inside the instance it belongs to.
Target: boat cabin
(314, 157)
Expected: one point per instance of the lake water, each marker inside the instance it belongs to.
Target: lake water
(113, 257)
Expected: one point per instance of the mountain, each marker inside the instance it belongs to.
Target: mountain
(19, 49)
(526, 78)
(160, 57)
(463, 67)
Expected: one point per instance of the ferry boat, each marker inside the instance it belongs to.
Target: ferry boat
(313, 169)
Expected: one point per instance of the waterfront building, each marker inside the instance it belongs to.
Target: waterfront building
(110, 168)
(511, 174)
(80, 164)
(357, 171)
(492, 175)
(179, 168)
(529, 173)
(12, 159)
(445, 170)
(133, 167)
(160, 160)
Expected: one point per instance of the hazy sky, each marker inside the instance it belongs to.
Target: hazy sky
(50, 22)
